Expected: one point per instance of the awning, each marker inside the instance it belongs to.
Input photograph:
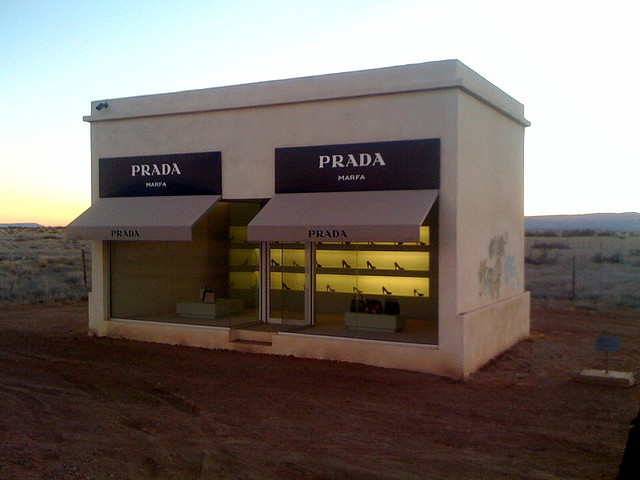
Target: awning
(392, 216)
(141, 218)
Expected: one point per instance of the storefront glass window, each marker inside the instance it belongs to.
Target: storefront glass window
(212, 280)
(376, 290)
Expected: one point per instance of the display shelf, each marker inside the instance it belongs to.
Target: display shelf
(364, 247)
(372, 272)
(374, 269)
(287, 281)
(286, 269)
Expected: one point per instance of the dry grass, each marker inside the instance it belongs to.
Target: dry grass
(38, 265)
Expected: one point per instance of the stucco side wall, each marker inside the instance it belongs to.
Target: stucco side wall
(491, 330)
(490, 206)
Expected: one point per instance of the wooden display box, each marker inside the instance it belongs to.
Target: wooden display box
(374, 322)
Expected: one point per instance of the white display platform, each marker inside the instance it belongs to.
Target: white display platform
(374, 322)
(223, 306)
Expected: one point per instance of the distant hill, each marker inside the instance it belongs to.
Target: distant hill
(615, 222)
(21, 225)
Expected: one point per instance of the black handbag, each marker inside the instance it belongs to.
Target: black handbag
(374, 306)
(391, 307)
(357, 304)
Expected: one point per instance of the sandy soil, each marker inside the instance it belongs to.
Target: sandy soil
(76, 407)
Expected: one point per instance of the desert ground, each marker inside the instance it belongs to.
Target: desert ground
(79, 407)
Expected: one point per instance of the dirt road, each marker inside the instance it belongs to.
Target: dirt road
(76, 407)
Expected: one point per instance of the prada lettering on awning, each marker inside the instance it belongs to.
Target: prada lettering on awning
(394, 216)
(141, 218)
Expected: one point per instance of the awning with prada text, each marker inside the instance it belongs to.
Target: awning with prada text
(154, 218)
(393, 216)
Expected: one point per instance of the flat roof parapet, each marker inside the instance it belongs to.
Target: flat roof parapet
(445, 74)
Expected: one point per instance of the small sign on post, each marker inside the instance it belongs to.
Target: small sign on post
(607, 344)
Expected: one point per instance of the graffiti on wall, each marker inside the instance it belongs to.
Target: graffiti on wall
(498, 269)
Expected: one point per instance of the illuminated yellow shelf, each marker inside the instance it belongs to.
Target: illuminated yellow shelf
(375, 247)
(341, 268)
(367, 285)
(372, 272)
(285, 269)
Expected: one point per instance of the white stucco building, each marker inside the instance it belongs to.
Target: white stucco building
(372, 216)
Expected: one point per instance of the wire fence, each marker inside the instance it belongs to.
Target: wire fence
(602, 269)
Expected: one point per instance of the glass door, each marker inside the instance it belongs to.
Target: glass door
(287, 284)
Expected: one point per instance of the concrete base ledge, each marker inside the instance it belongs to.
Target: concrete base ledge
(602, 377)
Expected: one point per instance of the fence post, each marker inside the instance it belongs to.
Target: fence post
(573, 279)
(84, 268)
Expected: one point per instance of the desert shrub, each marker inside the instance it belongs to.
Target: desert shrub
(587, 232)
(542, 233)
(615, 258)
(635, 252)
(543, 258)
(606, 233)
(551, 245)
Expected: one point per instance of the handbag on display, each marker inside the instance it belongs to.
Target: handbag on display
(373, 306)
(357, 304)
(391, 307)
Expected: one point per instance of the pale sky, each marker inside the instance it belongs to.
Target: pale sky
(571, 63)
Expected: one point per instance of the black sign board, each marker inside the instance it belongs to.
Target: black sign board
(161, 175)
(398, 165)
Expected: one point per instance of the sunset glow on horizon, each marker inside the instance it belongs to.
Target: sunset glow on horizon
(561, 60)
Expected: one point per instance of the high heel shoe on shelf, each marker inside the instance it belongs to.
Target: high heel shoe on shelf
(357, 291)
(397, 267)
(385, 291)
(274, 263)
(369, 265)
(329, 289)
(345, 264)
(295, 264)
(417, 293)
(318, 265)
(284, 286)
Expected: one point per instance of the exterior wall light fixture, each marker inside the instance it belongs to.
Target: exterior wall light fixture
(100, 106)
